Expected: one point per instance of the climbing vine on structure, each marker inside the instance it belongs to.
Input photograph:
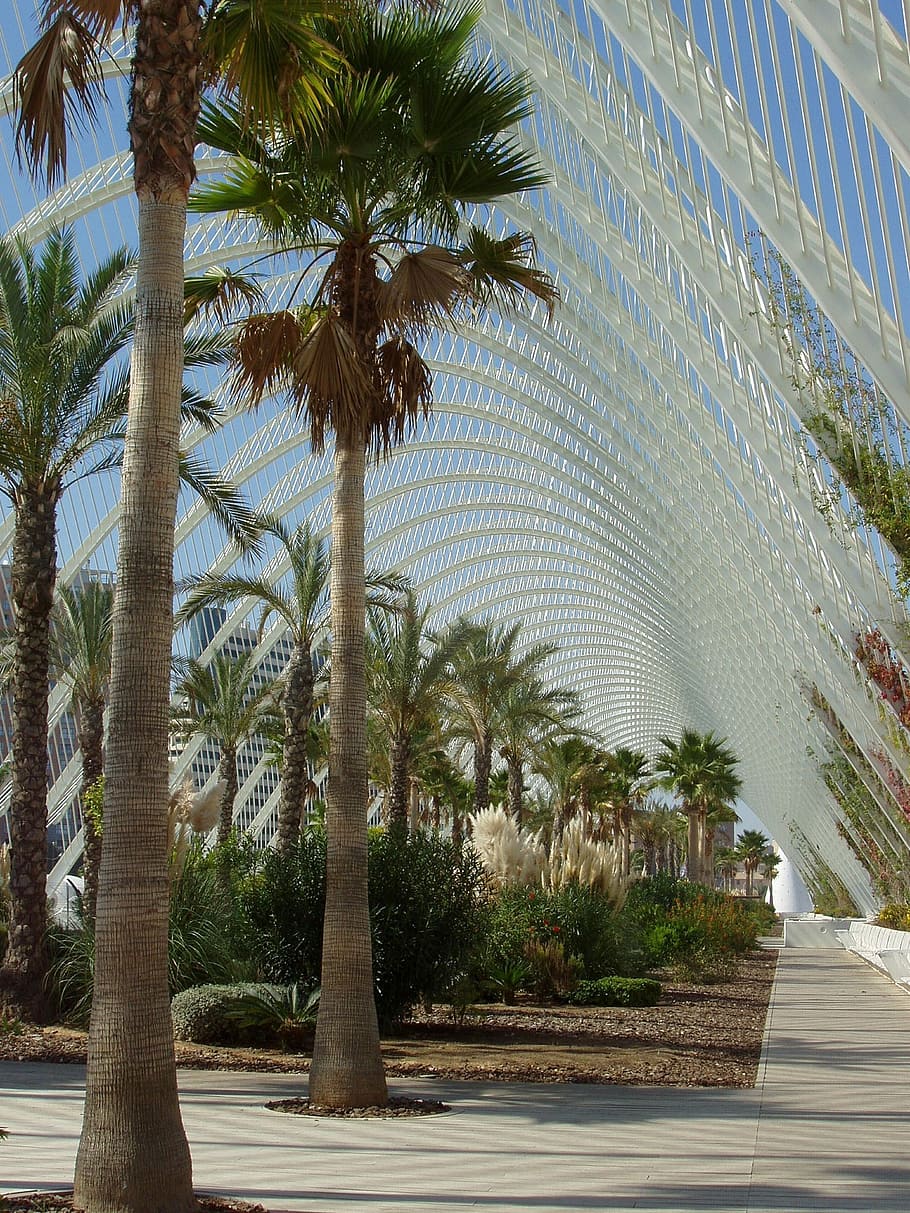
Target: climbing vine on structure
(854, 425)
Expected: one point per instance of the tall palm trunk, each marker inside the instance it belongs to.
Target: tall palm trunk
(693, 864)
(34, 572)
(133, 1154)
(626, 848)
(295, 777)
(347, 1069)
(707, 849)
(483, 761)
(399, 783)
(227, 773)
(516, 789)
(91, 746)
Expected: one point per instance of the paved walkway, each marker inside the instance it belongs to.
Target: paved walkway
(826, 1128)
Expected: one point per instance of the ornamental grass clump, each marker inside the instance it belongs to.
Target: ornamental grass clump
(512, 856)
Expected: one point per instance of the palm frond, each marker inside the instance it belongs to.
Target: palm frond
(266, 347)
(424, 289)
(218, 292)
(502, 270)
(277, 62)
(225, 503)
(329, 380)
(58, 82)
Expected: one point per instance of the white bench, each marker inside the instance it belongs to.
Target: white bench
(888, 950)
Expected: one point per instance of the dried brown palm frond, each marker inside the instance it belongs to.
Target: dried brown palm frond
(407, 392)
(57, 79)
(219, 291)
(424, 289)
(267, 345)
(330, 382)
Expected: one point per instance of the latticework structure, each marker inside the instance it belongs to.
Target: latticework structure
(635, 479)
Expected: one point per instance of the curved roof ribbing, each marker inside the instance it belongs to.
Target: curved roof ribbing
(628, 480)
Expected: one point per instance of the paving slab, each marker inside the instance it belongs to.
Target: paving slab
(825, 1129)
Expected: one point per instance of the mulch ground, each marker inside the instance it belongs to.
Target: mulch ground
(51, 1202)
(697, 1036)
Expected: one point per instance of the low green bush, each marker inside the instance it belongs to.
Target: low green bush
(682, 922)
(285, 1013)
(559, 936)
(616, 992)
(204, 1015)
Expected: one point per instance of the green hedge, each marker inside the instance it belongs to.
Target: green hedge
(616, 992)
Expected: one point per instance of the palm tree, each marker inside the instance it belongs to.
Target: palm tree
(700, 770)
(726, 861)
(64, 394)
(443, 781)
(302, 605)
(225, 702)
(485, 668)
(657, 830)
(406, 676)
(131, 1094)
(528, 716)
(770, 864)
(752, 850)
(565, 763)
(416, 132)
(81, 641)
(721, 814)
(628, 773)
(61, 392)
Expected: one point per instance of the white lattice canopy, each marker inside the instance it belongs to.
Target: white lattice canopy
(629, 480)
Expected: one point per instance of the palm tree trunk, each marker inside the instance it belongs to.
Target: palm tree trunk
(34, 572)
(133, 1154)
(707, 850)
(483, 761)
(413, 805)
(693, 866)
(347, 1069)
(626, 849)
(516, 790)
(227, 773)
(399, 783)
(295, 775)
(91, 746)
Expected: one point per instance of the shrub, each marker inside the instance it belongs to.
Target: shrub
(895, 916)
(552, 971)
(202, 942)
(201, 935)
(616, 992)
(682, 921)
(282, 906)
(507, 979)
(583, 922)
(425, 899)
(200, 1014)
(203, 1014)
(424, 915)
(285, 1013)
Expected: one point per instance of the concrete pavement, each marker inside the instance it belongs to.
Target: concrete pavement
(825, 1129)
